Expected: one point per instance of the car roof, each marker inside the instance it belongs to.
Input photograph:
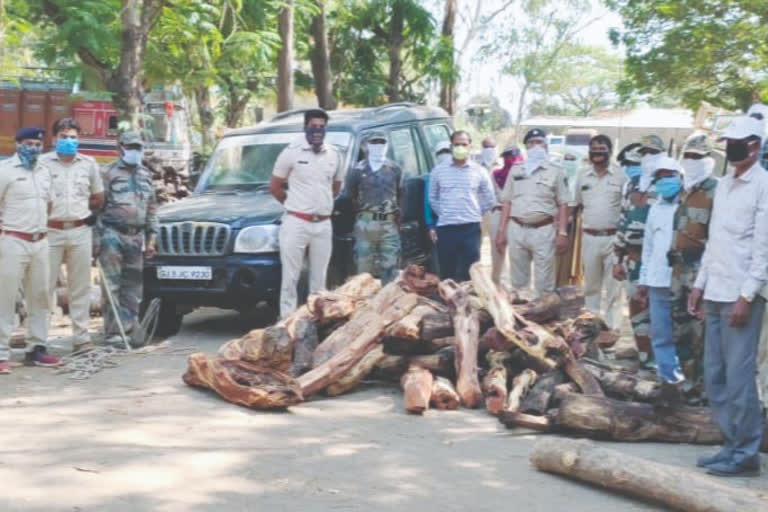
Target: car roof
(353, 120)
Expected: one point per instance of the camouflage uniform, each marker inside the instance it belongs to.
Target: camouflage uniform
(628, 245)
(375, 196)
(127, 223)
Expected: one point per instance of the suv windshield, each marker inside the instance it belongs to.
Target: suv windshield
(248, 160)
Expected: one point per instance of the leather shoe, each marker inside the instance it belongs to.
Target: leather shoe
(707, 460)
(748, 467)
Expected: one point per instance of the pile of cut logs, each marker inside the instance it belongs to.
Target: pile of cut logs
(532, 364)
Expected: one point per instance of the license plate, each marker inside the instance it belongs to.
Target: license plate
(185, 273)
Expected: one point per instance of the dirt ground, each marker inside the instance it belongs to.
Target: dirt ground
(135, 438)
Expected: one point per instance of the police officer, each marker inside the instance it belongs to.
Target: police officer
(313, 174)
(691, 226)
(25, 200)
(511, 156)
(535, 199)
(126, 233)
(628, 244)
(598, 193)
(374, 186)
(77, 189)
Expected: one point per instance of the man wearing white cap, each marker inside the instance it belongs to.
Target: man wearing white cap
(760, 112)
(734, 270)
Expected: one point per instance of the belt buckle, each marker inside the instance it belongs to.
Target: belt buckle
(36, 236)
(315, 217)
(67, 224)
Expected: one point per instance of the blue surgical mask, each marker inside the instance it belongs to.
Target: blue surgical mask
(28, 155)
(67, 146)
(633, 171)
(668, 187)
(132, 156)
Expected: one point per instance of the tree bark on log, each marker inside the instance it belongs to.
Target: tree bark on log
(531, 421)
(542, 310)
(372, 329)
(678, 488)
(436, 325)
(467, 335)
(391, 368)
(410, 326)
(520, 386)
(444, 395)
(538, 398)
(622, 385)
(495, 382)
(441, 363)
(563, 390)
(582, 377)
(327, 307)
(357, 373)
(417, 389)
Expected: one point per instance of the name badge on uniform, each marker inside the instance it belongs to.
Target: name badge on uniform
(518, 178)
(585, 187)
(303, 162)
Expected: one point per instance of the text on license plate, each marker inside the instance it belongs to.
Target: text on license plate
(189, 273)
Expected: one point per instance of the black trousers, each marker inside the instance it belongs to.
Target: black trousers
(458, 247)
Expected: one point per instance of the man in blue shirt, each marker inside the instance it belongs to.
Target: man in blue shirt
(460, 192)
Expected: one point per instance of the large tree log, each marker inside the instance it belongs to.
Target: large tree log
(407, 347)
(531, 421)
(340, 304)
(495, 382)
(623, 385)
(391, 368)
(582, 377)
(561, 391)
(372, 327)
(541, 310)
(436, 325)
(409, 327)
(357, 373)
(538, 398)
(244, 383)
(467, 335)
(511, 415)
(417, 389)
(444, 395)
(441, 363)
(605, 418)
(531, 337)
(676, 487)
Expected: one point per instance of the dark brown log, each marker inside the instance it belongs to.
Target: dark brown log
(371, 332)
(441, 363)
(538, 398)
(623, 385)
(444, 395)
(541, 310)
(243, 383)
(520, 387)
(467, 335)
(390, 368)
(495, 382)
(417, 389)
(492, 339)
(436, 325)
(673, 486)
(582, 377)
(357, 373)
(561, 391)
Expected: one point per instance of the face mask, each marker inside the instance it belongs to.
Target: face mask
(633, 171)
(443, 158)
(737, 151)
(460, 153)
(315, 134)
(488, 156)
(598, 157)
(668, 187)
(696, 171)
(28, 155)
(377, 153)
(649, 167)
(132, 156)
(67, 146)
(537, 155)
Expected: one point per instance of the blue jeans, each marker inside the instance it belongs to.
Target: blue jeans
(662, 338)
(730, 365)
(458, 247)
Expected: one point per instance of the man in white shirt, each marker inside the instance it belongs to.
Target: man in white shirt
(656, 276)
(734, 269)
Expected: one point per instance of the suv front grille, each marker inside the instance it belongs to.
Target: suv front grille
(193, 239)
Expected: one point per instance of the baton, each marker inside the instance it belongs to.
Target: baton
(115, 311)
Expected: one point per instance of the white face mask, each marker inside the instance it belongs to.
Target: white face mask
(377, 153)
(535, 158)
(443, 158)
(488, 156)
(132, 156)
(649, 167)
(696, 171)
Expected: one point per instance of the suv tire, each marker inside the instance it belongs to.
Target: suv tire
(169, 321)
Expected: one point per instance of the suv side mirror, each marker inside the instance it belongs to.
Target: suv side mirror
(196, 168)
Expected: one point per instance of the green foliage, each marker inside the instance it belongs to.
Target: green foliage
(697, 50)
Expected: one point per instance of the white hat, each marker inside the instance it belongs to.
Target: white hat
(759, 108)
(743, 127)
(668, 164)
(442, 146)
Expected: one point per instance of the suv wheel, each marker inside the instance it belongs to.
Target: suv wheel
(169, 321)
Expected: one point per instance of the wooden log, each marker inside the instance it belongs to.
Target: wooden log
(518, 419)
(563, 390)
(441, 363)
(538, 398)
(444, 395)
(410, 326)
(520, 387)
(571, 301)
(605, 418)
(495, 382)
(417, 280)
(675, 487)
(467, 335)
(232, 349)
(436, 325)
(417, 389)
(582, 377)
(493, 340)
(341, 303)
(541, 310)
(391, 368)
(357, 373)
(243, 383)
(622, 385)
(529, 336)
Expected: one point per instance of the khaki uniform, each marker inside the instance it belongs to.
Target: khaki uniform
(600, 197)
(534, 199)
(73, 183)
(310, 179)
(492, 219)
(24, 198)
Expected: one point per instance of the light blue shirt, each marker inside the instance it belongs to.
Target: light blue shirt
(460, 195)
(657, 241)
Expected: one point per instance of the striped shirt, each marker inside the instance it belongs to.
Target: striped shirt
(460, 195)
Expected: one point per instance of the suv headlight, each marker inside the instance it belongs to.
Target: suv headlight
(257, 239)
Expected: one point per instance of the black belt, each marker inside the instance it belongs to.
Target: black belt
(125, 230)
(379, 216)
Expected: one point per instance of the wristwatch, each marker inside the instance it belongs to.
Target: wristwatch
(562, 233)
(747, 299)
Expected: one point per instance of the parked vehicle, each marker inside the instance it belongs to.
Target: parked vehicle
(219, 247)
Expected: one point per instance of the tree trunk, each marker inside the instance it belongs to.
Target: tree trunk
(624, 386)
(395, 44)
(237, 105)
(675, 487)
(126, 84)
(448, 83)
(436, 325)
(321, 60)
(285, 59)
(495, 382)
(207, 118)
(417, 389)
(444, 396)
(520, 110)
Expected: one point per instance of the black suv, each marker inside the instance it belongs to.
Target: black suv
(219, 246)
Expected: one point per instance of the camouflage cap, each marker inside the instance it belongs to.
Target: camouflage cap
(653, 142)
(698, 143)
(128, 138)
(376, 135)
